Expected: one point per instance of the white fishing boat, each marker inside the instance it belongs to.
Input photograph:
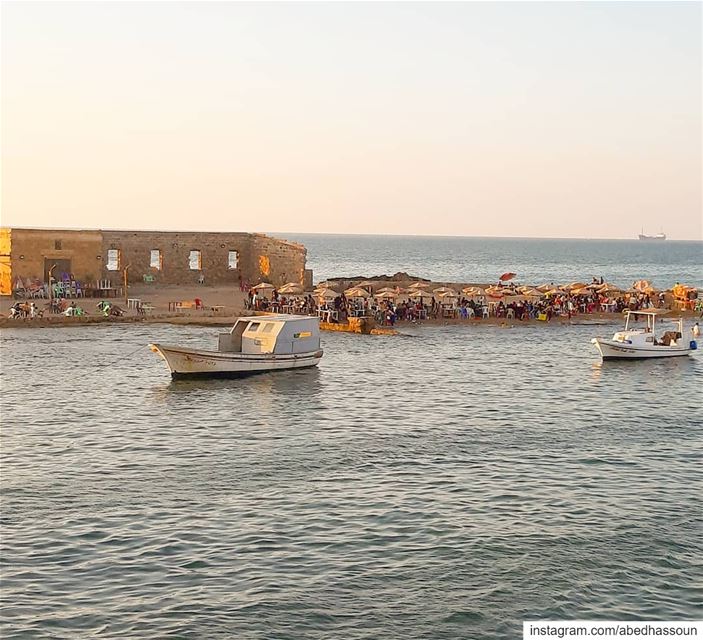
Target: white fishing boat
(255, 344)
(642, 342)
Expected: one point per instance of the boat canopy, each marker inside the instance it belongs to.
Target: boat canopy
(647, 312)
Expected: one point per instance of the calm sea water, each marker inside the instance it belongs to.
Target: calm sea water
(448, 483)
(482, 260)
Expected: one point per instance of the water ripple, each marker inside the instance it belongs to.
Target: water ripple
(449, 484)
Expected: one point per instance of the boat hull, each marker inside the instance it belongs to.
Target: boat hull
(614, 350)
(192, 363)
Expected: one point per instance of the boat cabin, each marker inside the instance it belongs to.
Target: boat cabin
(646, 335)
(277, 334)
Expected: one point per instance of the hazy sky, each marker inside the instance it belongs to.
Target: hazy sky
(508, 119)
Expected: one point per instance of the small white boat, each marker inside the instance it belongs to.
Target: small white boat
(639, 343)
(255, 344)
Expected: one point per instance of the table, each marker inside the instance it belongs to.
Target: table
(94, 292)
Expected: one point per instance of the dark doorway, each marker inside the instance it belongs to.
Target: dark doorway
(62, 267)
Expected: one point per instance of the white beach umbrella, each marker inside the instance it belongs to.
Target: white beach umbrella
(356, 292)
(291, 288)
(420, 285)
(441, 290)
(325, 294)
(386, 294)
(263, 285)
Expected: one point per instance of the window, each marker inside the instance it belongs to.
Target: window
(195, 262)
(268, 327)
(57, 245)
(232, 259)
(113, 259)
(155, 259)
(254, 326)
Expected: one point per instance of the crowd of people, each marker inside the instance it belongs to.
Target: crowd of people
(502, 302)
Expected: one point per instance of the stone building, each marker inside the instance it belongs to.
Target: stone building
(166, 257)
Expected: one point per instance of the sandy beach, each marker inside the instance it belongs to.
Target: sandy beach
(222, 305)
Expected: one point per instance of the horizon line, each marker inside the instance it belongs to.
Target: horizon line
(333, 233)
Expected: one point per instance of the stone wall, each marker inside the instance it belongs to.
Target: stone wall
(278, 261)
(31, 250)
(85, 255)
(135, 249)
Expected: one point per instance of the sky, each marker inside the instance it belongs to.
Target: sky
(534, 119)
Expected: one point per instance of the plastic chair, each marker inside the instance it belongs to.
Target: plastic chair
(485, 312)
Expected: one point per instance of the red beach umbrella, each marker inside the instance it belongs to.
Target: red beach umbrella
(509, 275)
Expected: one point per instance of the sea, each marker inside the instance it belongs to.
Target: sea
(450, 482)
(482, 260)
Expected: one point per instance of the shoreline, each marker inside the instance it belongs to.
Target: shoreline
(601, 318)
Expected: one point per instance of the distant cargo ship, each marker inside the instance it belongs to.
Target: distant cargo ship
(658, 236)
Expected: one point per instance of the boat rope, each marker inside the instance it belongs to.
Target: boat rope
(131, 353)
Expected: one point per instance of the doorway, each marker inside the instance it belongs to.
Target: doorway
(62, 267)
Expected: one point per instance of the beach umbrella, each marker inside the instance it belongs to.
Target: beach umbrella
(556, 291)
(546, 287)
(326, 285)
(386, 294)
(441, 290)
(508, 275)
(420, 285)
(473, 291)
(607, 285)
(325, 294)
(531, 293)
(291, 288)
(447, 294)
(495, 292)
(582, 291)
(419, 293)
(263, 286)
(575, 285)
(356, 292)
(366, 284)
(609, 289)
